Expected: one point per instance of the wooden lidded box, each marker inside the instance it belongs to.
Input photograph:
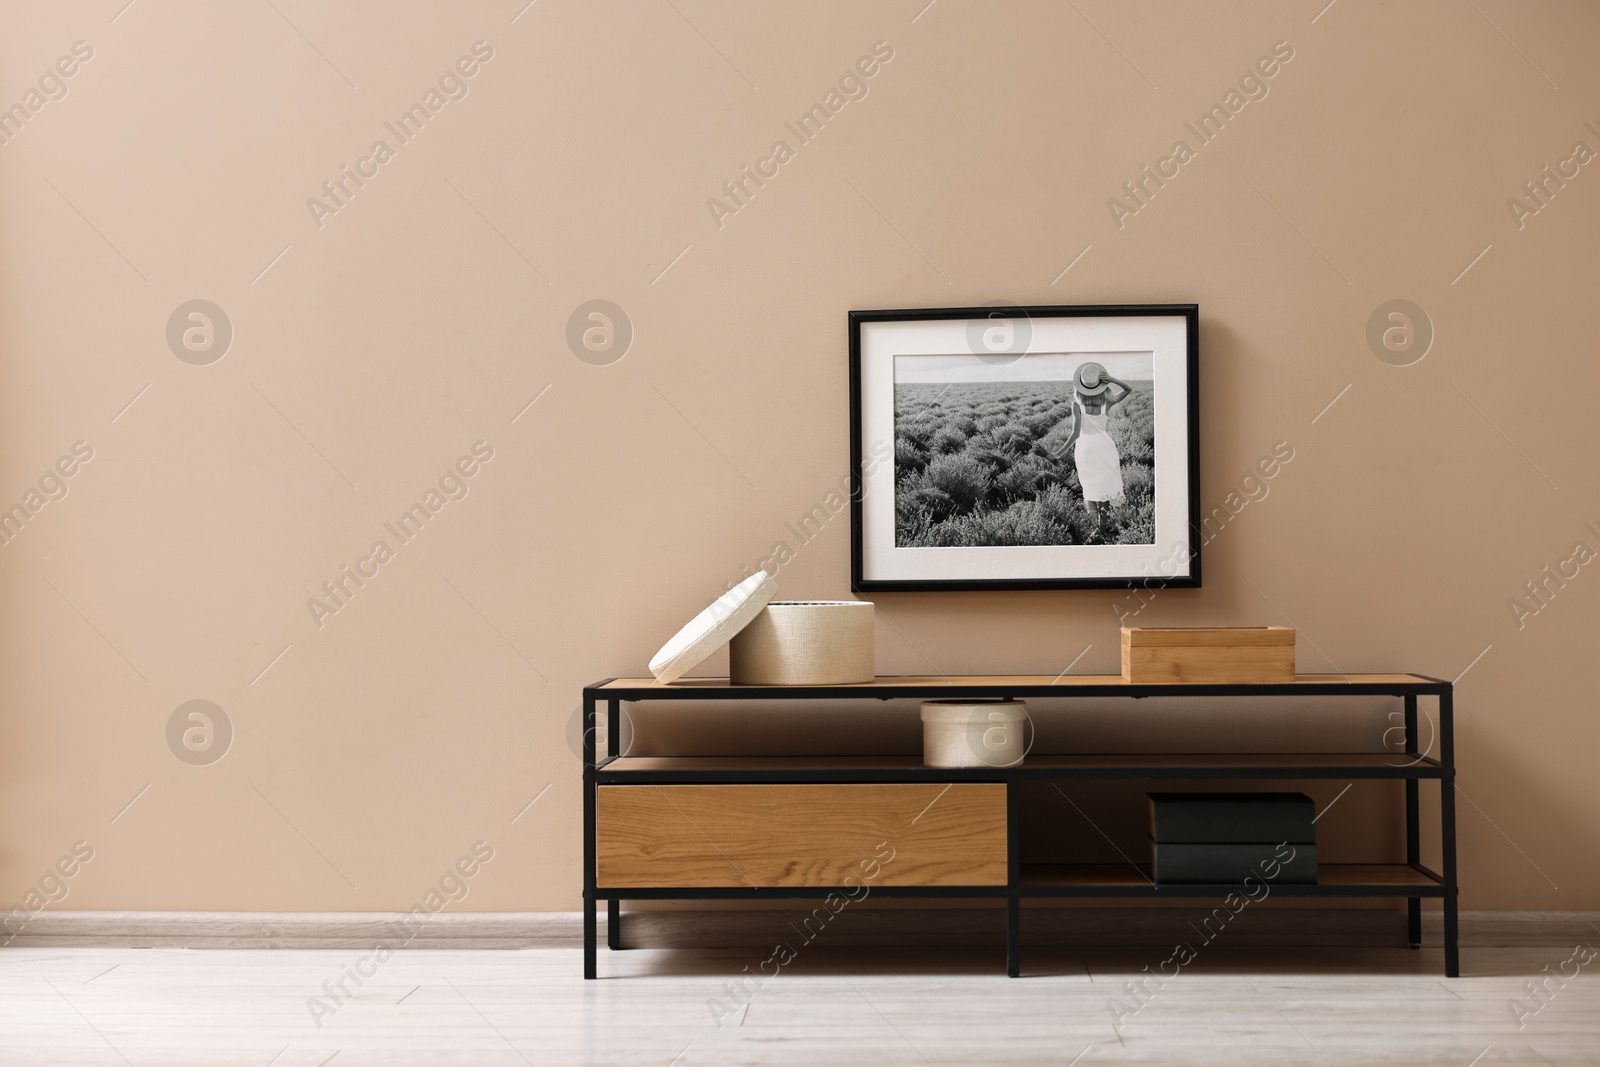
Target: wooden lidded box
(1229, 654)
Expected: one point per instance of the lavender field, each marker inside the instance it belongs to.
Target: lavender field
(984, 463)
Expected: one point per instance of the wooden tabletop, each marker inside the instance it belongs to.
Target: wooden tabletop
(1064, 681)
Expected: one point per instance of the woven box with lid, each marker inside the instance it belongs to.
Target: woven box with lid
(805, 642)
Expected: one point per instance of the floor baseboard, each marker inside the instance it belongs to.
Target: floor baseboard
(305, 930)
(761, 929)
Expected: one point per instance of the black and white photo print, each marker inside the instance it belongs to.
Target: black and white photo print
(1039, 449)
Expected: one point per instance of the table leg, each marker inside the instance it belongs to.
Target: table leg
(1447, 827)
(588, 937)
(589, 798)
(613, 924)
(1013, 937)
(1413, 826)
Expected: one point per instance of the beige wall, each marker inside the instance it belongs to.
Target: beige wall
(426, 313)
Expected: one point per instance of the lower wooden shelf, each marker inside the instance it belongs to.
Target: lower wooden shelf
(1133, 880)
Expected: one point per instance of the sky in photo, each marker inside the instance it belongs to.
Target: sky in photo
(1033, 367)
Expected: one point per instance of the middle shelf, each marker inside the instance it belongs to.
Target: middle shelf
(799, 769)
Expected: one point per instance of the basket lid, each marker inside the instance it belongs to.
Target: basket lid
(713, 627)
(973, 711)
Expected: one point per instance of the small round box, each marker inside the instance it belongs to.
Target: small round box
(805, 642)
(972, 734)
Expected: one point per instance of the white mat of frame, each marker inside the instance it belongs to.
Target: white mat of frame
(739, 928)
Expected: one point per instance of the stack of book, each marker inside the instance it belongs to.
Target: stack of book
(1223, 838)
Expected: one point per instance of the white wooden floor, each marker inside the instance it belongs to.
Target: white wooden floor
(1284, 1006)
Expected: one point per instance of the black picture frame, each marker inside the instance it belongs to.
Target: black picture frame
(1190, 313)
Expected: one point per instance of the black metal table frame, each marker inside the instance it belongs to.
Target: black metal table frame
(1444, 884)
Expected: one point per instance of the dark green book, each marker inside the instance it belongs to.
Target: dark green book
(1182, 863)
(1223, 818)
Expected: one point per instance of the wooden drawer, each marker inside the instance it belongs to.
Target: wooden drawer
(800, 835)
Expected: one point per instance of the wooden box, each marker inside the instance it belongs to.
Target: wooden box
(1232, 654)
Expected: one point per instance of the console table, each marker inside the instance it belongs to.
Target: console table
(786, 827)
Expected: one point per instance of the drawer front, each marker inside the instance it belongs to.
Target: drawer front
(801, 835)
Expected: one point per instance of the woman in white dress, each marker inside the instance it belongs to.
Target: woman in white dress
(1099, 462)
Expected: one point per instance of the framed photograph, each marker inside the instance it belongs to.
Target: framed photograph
(1025, 447)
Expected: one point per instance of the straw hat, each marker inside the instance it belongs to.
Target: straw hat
(1091, 379)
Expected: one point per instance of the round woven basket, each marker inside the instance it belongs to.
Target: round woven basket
(958, 733)
(805, 642)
